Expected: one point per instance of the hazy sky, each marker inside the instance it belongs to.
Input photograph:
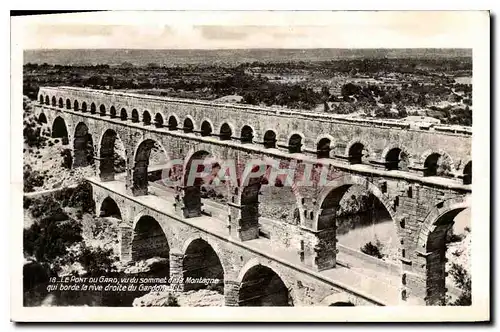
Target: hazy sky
(201, 30)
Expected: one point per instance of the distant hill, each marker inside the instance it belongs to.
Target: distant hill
(229, 57)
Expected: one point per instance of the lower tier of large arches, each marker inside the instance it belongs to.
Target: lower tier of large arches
(249, 273)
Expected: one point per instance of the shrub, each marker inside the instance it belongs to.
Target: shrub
(27, 202)
(67, 159)
(119, 163)
(31, 135)
(46, 207)
(79, 197)
(463, 281)
(82, 197)
(452, 237)
(49, 238)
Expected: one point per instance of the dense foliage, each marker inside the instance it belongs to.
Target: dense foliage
(31, 179)
(381, 87)
(79, 197)
(55, 239)
(67, 158)
(52, 234)
(463, 281)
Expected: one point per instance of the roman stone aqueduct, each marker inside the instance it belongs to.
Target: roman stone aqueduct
(297, 262)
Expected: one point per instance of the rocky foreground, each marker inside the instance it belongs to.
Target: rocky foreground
(201, 298)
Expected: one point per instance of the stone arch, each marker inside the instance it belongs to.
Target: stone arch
(109, 208)
(42, 118)
(135, 116)
(102, 110)
(83, 147)
(192, 182)
(395, 158)
(173, 122)
(324, 146)
(68, 104)
(437, 163)
(60, 130)
(47, 100)
(54, 101)
(261, 285)
(61, 102)
(206, 128)
(158, 120)
(467, 173)
(295, 142)
(142, 153)
(333, 192)
(41, 99)
(226, 131)
(107, 155)
(84, 107)
(188, 125)
(146, 118)
(201, 260)
(270, 139)
(92, 108)
(123, 114)
(432, 238)
(112, 112)
(149, 240)
(340, 299)
(76, 107)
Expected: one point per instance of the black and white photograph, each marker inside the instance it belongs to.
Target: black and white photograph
(258, 159)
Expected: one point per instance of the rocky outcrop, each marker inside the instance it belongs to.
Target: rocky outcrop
(146, 265)
(201, 298)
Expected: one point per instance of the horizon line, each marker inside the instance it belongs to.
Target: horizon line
(254, 48)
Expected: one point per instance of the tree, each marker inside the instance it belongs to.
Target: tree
(402, 112)
(95, 81)
(67, 159)
(109, 80)
(50, 238)
(82, 197)
(97, 261)
(325, 93)
(372, 249)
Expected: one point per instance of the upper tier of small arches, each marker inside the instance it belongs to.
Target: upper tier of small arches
(325, 146)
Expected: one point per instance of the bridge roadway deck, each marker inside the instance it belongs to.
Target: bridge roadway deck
(376, 284)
